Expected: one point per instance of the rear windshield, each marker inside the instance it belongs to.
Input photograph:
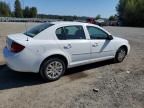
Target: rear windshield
(37, 29)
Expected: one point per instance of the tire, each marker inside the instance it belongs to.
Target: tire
(120, 55)
(52, 69)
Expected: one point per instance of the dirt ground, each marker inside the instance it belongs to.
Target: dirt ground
(98, 85)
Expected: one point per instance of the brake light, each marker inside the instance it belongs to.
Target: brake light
(15, 47)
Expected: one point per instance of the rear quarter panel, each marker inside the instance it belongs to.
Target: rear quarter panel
(44, 49)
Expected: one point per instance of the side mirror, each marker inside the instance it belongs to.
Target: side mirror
(110, 37)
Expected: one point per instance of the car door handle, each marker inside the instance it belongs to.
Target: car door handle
(68, 46)
(95, 45)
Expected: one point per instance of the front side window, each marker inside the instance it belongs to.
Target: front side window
(70, 33)
(36, 30)
(96, 33)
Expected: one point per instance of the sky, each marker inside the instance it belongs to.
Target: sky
(89, 8)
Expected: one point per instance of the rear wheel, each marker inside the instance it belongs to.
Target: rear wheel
(52, 69)
(121, 54)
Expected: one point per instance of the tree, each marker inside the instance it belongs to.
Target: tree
(33, 12)
(4, 9)
(26, 12)
(75, 17)
(98, 17)
(18, 9)
(112, 18)
(131, 12)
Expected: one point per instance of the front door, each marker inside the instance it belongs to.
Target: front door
(101, 47)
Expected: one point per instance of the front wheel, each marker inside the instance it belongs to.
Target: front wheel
(120, 55)
(52, 69)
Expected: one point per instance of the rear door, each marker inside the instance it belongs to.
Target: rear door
(72, 41)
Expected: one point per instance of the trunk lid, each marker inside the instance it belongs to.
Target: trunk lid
(18, 38)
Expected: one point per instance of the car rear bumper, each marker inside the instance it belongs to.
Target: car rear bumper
(21, 62)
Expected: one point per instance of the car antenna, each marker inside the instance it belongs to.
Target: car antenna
(25, 22)
(26, 31)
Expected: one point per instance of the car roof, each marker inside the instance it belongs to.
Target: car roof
(71, 23)
(68, 23)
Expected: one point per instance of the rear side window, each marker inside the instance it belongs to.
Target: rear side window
(70, 33)
(60, 34)
(37, 29)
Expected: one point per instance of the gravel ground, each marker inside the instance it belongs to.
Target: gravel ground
(98, 85)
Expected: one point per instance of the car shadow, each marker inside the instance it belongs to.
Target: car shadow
(10, 79)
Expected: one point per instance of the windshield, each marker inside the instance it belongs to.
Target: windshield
(37, 29)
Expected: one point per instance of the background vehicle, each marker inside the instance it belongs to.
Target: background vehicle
(91, 21)
(51, 48)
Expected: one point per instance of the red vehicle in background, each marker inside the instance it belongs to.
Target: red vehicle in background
(91, 20)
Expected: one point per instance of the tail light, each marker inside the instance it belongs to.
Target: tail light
(15, 47)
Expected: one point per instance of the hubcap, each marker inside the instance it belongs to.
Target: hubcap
(54, 69)
(121, 55)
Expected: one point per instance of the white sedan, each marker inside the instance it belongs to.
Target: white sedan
(51, 48)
